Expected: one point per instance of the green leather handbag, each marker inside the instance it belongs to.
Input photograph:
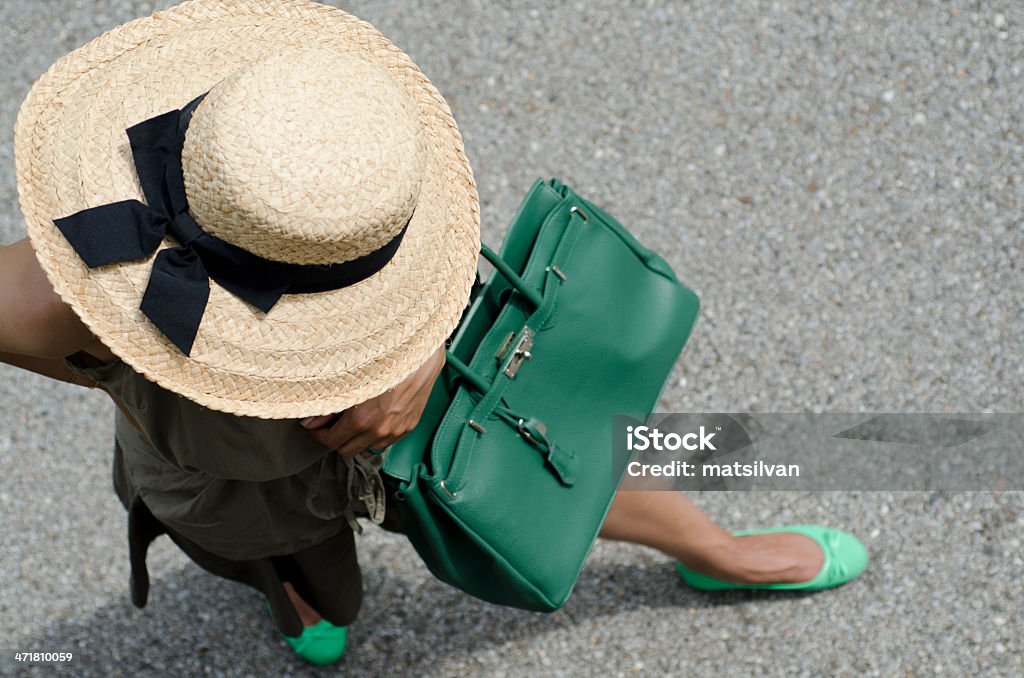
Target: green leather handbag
(506, 480)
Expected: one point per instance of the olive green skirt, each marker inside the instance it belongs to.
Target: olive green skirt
(326, 575)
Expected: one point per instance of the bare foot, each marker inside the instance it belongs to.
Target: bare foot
(307, 614)
(763, 559)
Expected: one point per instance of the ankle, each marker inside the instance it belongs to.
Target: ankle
(720, 559)
(308, 615)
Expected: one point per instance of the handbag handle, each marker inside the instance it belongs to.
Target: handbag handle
(505, 270)
(532, 295)
(563, 463)
(472, 378)
(464, 371)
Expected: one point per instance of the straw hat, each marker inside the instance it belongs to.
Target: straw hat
(317, 144)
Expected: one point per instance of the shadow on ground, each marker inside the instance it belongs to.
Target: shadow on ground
(196, 623)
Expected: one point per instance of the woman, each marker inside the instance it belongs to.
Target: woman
(253, 225)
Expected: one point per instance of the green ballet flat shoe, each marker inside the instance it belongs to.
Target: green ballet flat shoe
(845, 559)
(320, 644)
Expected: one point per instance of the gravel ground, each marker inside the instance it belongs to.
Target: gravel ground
(842, 185)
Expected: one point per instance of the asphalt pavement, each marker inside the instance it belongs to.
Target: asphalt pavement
(842, 183)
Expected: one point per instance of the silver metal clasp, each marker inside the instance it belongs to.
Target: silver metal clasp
(520, 353)
(503, 351)
(525, 432)
(557, 271)
(577, 210)
(451, 495)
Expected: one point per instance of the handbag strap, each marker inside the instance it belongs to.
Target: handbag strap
(464, 371)
(562, 462)
(577, 218)
(504, 269)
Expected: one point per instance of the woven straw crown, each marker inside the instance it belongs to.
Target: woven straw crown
(317, 142)
(310, 157)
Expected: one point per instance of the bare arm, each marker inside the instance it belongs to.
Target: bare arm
(55, 368)
(33, 319)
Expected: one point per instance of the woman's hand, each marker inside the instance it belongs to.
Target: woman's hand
(380, 421)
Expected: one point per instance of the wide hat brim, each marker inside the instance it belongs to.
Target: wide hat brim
(312, 354)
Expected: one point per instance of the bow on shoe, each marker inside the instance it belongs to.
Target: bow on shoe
(837, 570)
(179, 283)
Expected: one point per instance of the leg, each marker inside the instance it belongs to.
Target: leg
(669, 522)
(307, 614)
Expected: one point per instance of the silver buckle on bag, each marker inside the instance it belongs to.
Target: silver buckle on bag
(520, 353)
(525, 432)
(500, 354)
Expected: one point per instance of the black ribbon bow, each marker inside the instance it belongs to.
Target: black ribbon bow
(179, 283)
